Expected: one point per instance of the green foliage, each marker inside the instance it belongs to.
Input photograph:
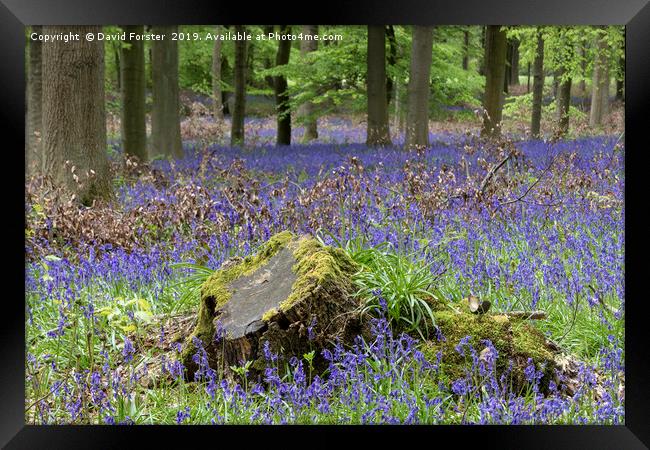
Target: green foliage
(190, 285)
(406, 286)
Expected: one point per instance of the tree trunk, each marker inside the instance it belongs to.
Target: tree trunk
(564, 103)
(417, 119)
(507, 77)
(495, 56)
(466, 49)
(528, 78)
(620, 79)
(165, 119)
(598, 84)
(118, 69)
(307, 110)
(392, 59)
(74, 118)
(481, 68)
(605, 91)
(582, 86)
(217, 99)
(514, 63)
(281, 91)
(34, 121)
(377, 131)
(134, 132)
(237, 132)
(538, 87)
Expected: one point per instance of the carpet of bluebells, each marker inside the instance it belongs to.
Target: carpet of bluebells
(546, 231)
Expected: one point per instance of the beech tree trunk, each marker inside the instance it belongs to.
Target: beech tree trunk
(514, 63)
(599, 84)
(466, 49)
(34, 121)
(217, 95)
(417, 119)
(538, 87)
(74, 118)
(392, 59)
(281, 91)
(564, 102)
(134, 132)
(307, 110)
(377, 131)
(237, 132)
(495, 56)
(165, 119)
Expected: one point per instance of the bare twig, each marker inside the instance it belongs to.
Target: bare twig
(493, 170)
(530, 188)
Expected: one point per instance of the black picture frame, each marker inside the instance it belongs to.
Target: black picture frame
(635, 14)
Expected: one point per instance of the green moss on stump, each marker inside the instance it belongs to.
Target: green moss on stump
(215, 293)
(317, 267)
(516, 340)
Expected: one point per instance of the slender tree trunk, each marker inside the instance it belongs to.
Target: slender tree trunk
(268, 29)
(495, 72)
(417, 120)
(308, 110)
(620, 79)
(514, 63)
(34, 121)
(74, 118)
(582, 85)
(392, 59)
(528, 78)
(377, 131)
(598, 84)
(134, 132)
(281, 91)
(237, 132)
(564, 103)
(506, 79)
(605, 91)
(466, 49)
(217, 96)
(538, 87)
(165, 119)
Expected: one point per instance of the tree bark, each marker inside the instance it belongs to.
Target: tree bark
(495, 56)
(528, 78)
(514, 63)
(564, 103)
(74, 118)
(466, 49)
(538, 87)
(134, 132)
(307, 110)
(392, 59)
(281, 92)
(165, 119)
(217, 96)
(34, 121)
(377, 131)
(598, 84)
(237, 132)
(417, 118)
(620, 79)
(118, 69)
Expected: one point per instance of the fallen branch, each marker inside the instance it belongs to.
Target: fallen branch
(492, 171)
(530, 188)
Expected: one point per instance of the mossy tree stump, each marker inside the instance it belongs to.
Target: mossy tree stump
(515, 338)
(292, 285)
